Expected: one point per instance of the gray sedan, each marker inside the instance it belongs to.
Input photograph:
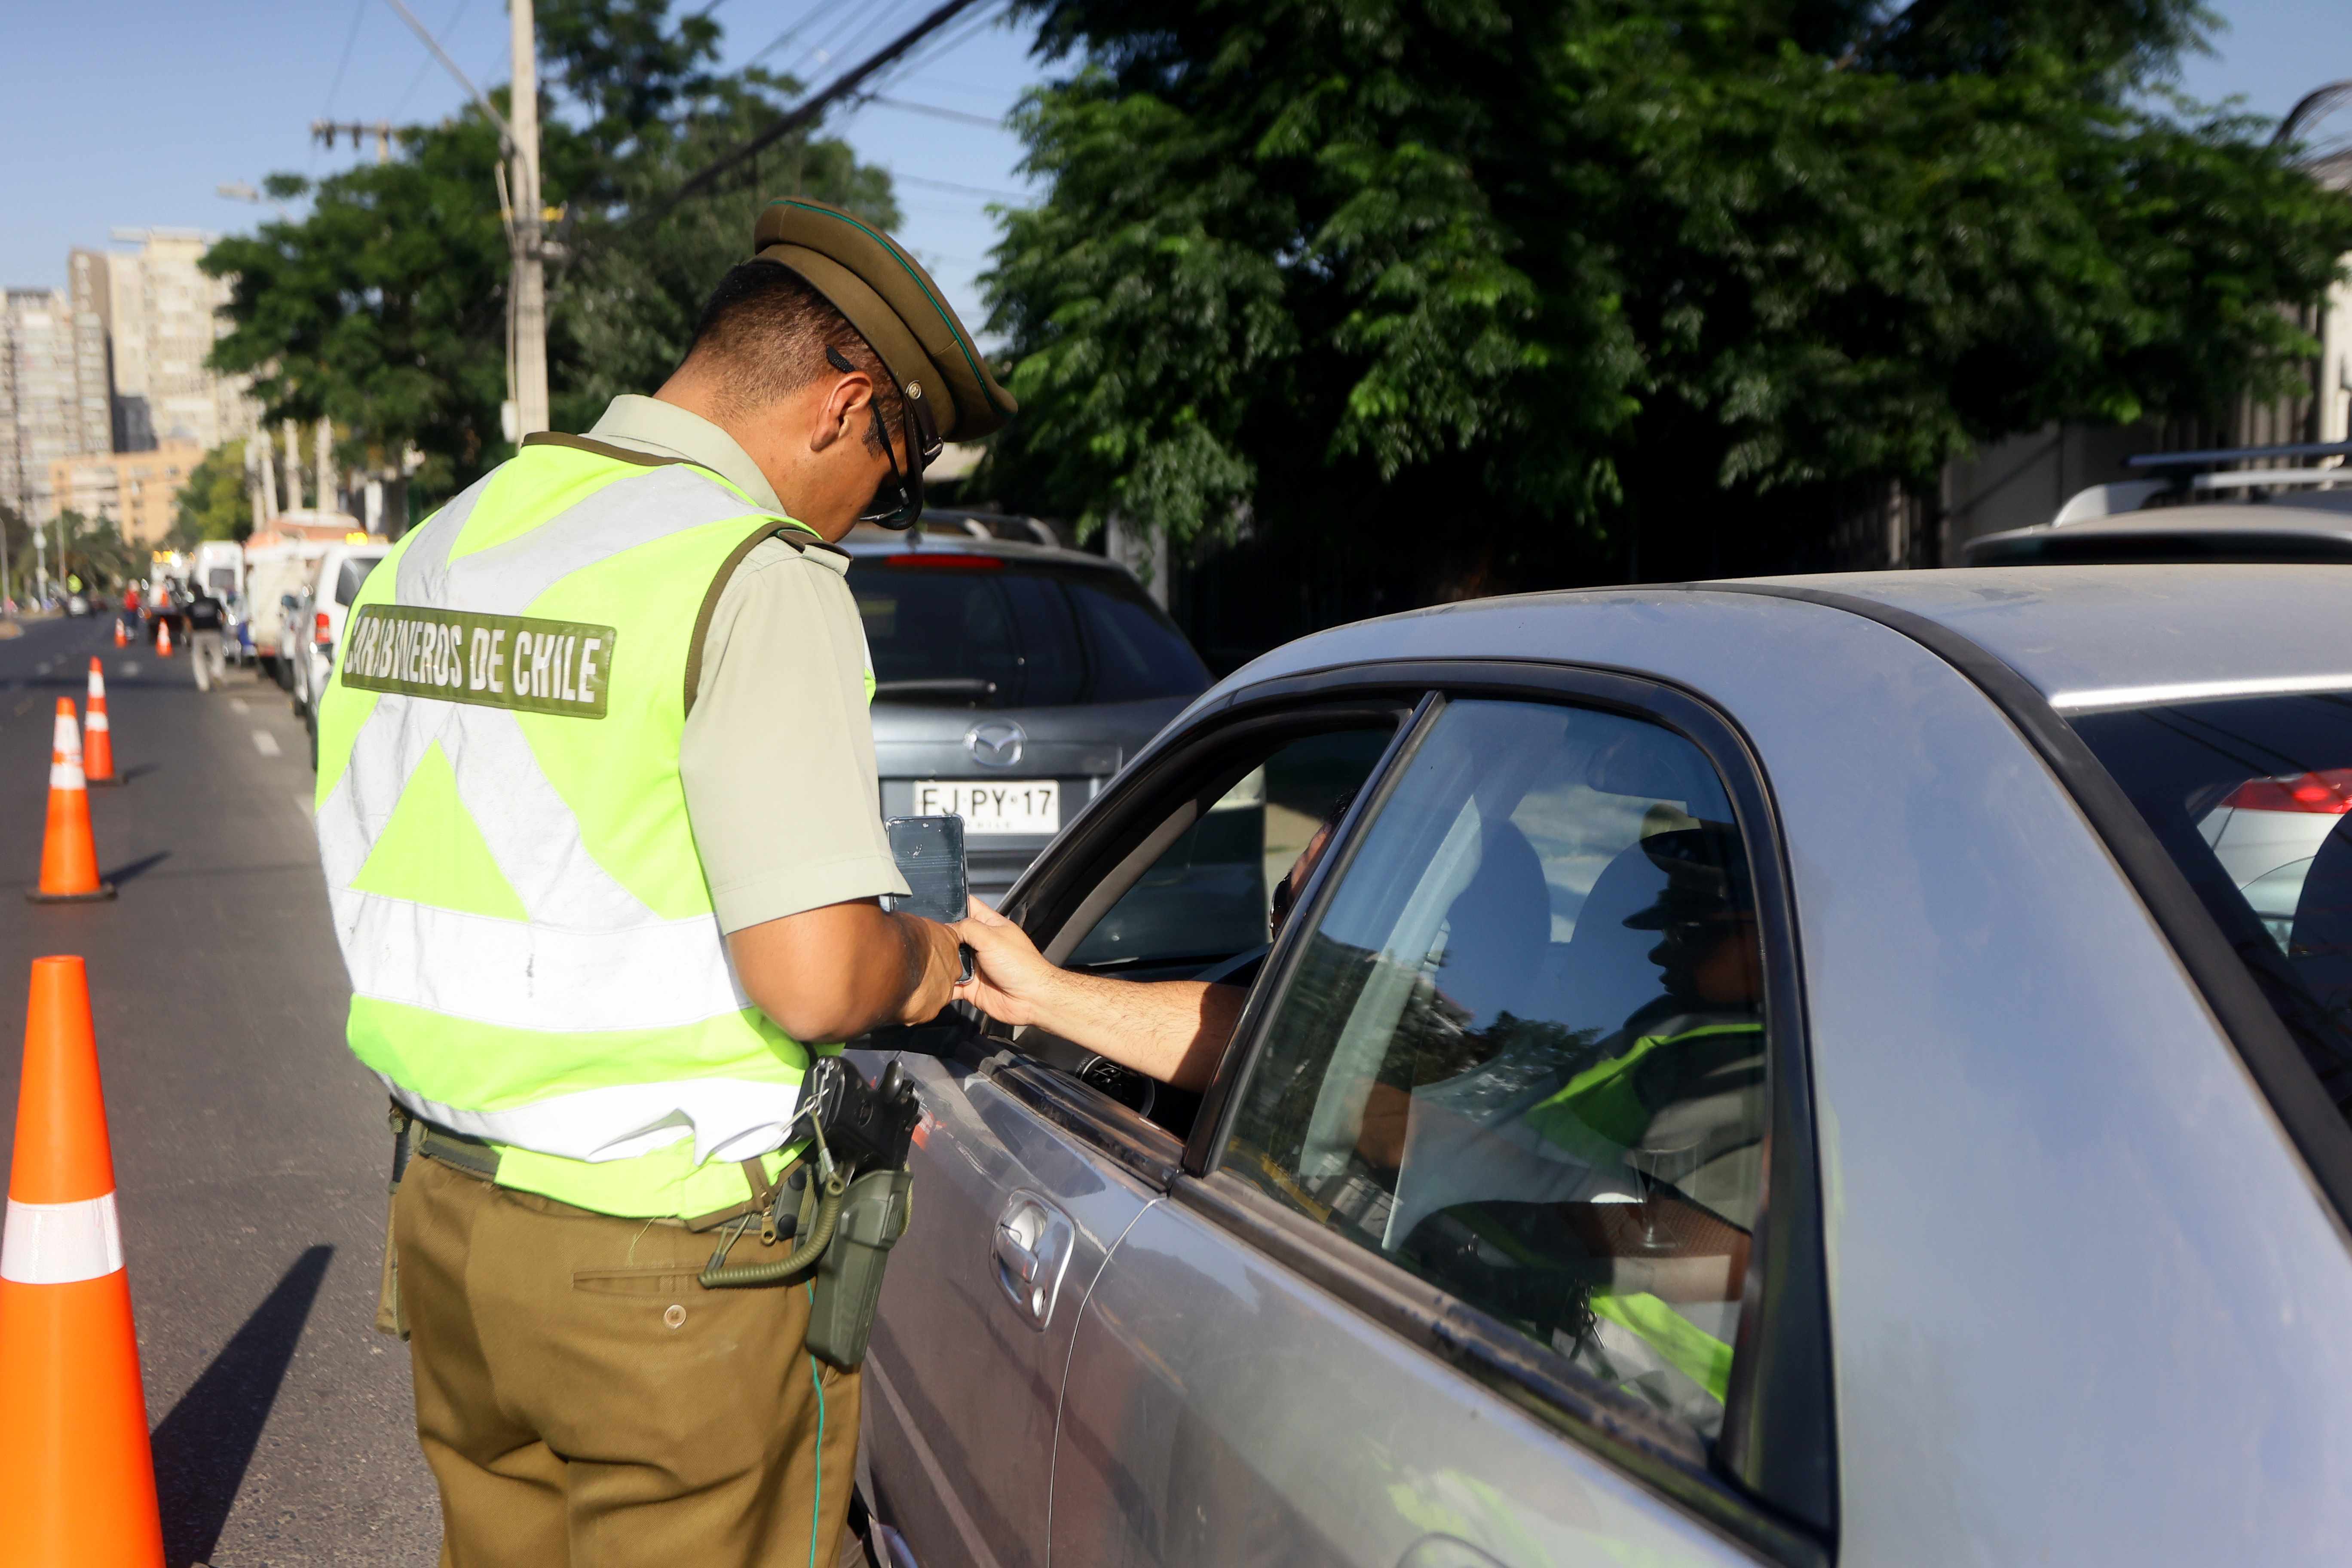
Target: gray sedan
(1777, 1071)
(1010, 682)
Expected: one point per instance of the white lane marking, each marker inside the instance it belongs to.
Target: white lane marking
(129, 667)
(239, 705)
(57, 1243)
(266, 743)
(304, 803)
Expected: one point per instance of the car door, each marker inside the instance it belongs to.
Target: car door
(1011, 1219)
(1031, 1163)
(1467, 1262)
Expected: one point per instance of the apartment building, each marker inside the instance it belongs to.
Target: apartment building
(48, 351)
(140, 490)
(113, 364)
(163, 321)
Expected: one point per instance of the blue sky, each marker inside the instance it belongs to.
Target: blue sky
(130, 112)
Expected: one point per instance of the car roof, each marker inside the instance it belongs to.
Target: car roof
(874, 543)
(2312, 524)
(2086, 636)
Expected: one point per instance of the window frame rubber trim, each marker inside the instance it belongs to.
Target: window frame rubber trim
(2314, 1126)
(1779, 1443)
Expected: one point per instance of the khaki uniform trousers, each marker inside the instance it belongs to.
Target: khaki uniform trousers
(584, 1403)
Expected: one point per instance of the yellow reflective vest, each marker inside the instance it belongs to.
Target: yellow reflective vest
(533, 955)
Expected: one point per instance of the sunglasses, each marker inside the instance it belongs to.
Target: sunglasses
(922, 448)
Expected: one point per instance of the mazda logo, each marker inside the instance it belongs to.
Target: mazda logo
(996, 744)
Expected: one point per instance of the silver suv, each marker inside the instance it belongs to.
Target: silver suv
(1012, 680)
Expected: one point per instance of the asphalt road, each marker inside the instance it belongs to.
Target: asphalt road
(249, 1149)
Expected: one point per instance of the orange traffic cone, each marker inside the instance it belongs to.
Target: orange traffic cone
(69, 856)
(77, 1476)
(98, 735)
(164, 640)
(121, 632)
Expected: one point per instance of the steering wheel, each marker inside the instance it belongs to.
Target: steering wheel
(1137, 1091)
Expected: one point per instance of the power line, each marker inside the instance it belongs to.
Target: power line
(958, 190)
(359, 15)
(425, 64)
(962, 116)
(505, 135)
(788, 35)
(811, 108)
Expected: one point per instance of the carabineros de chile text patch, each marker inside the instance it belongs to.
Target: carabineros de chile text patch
(499, 661)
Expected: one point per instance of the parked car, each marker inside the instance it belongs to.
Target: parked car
(334, 583)
(1011, 680)
(2198, 506)
(1783, 1071)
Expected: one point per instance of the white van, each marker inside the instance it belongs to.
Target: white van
(218, 568)
(271, 573)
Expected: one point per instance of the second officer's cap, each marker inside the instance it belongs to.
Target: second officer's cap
(895, 306)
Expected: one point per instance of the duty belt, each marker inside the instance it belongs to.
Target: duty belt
(412, 1134)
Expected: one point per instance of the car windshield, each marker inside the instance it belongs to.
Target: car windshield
(986, 631)
(2252, 797)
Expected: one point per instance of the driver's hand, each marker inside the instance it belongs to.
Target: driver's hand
(1011, 979)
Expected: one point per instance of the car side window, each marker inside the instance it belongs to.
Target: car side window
(1209, 894)
(1522, 1051)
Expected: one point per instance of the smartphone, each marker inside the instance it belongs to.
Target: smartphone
(929, 852)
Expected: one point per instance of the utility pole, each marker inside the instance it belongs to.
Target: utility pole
(530, 283)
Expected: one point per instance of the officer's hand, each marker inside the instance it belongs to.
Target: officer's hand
(1011, 979)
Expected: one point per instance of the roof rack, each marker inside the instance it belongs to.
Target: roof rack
(2220, 454)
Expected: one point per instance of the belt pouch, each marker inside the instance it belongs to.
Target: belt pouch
(848, 1285)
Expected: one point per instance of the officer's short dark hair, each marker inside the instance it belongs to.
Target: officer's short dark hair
(763, 334)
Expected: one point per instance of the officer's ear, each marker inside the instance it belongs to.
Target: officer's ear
(843, 411)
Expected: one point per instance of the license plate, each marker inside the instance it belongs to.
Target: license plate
(1012, 805)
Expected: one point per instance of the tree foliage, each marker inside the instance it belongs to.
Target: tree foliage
(1500, 281)
(382, 304)
(213, 503)
(93, 548)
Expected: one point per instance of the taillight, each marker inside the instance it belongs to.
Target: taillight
(320, 632)
(2327, 792)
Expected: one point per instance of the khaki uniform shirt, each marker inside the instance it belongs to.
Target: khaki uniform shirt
(777, 753)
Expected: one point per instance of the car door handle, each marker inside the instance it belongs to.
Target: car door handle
(1032, 1247)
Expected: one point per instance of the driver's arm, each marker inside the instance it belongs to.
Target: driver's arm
(1173, 1030)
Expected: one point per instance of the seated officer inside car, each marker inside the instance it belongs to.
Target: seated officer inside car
(1609, 1199)
(1600, 1200)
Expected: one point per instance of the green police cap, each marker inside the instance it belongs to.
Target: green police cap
(895, 306)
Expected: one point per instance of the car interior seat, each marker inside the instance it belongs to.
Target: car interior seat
(1498, 929)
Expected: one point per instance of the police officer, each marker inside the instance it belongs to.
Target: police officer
(597, 808)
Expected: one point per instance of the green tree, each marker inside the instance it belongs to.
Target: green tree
(95, 551)
(1485, 291)
(382, 304)
(215, 502)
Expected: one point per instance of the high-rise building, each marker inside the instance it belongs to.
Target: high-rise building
(114, 362)
(164, 319)
(45, 411)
